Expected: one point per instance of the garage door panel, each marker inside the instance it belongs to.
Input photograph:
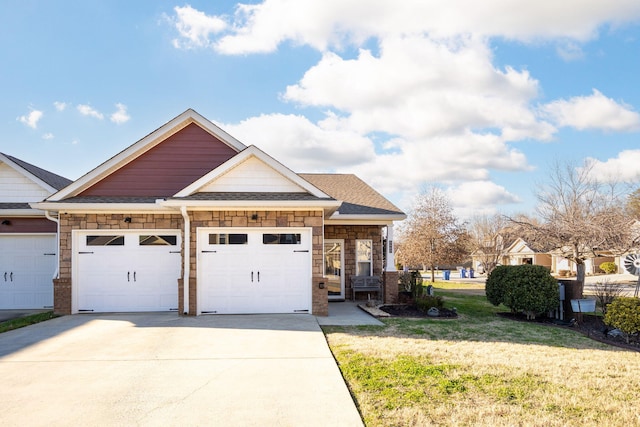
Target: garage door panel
(128, 272)
(27, 266)
(270, 272)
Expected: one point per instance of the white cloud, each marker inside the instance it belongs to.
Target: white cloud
(60, 106)
(87, 110)
(332, 23)
(47, 136)
(479, 197)
(595, 111)
(570, 51)
(195, 27)
(302, 145)
(401, 166)
(120, 116)
(31, 119)
(418, 87)
(423, 101)
(623, 168)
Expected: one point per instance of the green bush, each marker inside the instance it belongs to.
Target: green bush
(425, 302)
(609, 267)
(523, 288)
(624, 313)
(496, 283)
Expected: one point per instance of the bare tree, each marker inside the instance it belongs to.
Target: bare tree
(580, 216)
(432, 235)
(489, 239)
(633, 204)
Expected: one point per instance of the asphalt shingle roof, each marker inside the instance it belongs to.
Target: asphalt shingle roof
(4, 206)
(357, 197)
(56, 181)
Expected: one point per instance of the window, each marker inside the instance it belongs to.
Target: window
(107, 240)
(364, 257)
(157, 240)
(227, 239)
(281, 239)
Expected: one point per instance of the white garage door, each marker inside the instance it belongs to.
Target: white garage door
(27, 265)
(254, 270)
(127, 272)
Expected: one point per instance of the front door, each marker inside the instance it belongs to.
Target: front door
(333, 267)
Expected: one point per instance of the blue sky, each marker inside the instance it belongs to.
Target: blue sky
(479, 98)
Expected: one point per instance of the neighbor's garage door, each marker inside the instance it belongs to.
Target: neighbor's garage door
(27, 265)
(254, 270)
(125, 272)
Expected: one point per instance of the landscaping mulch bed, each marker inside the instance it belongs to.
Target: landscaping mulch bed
(591, 326)
(408, 310)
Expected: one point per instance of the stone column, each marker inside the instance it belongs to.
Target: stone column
(62, 296)
(320, 296)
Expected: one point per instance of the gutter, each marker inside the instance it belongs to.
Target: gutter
(56, 274)
(186, 259)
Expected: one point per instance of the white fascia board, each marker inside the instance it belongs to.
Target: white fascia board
(241, 157)
(27, 174)
(364, 219)
(389, 217)
(22, 212)
(252, 205)
(101, 207)
(144, 145)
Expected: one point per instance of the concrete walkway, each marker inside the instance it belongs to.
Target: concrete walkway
(160, 369)
(347, 313)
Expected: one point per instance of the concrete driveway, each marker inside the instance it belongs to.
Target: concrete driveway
(161, 369)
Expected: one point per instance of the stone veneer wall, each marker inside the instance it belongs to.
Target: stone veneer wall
(311, 219)
(351, 233)
(69, 222)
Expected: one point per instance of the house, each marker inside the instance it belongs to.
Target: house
(189, 219)
(521, 252)
(27, 237)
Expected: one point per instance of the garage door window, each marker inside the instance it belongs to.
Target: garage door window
(157, 240)
(281, 239)
(108, 240)
(228, 239)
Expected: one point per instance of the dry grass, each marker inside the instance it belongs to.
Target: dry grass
(482, 370)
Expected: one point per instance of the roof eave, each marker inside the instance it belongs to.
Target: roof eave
(99, 207)
(336, 218)
(257, 204)
(22, 212)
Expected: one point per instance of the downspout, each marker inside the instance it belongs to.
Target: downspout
(186, 259)
(56, 273)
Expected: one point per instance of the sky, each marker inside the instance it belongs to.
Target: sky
(477, 98)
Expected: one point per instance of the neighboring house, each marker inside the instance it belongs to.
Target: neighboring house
(27, 237)
(520, 252)
(190, 219)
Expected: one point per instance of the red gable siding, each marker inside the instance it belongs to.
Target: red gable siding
(168, 167)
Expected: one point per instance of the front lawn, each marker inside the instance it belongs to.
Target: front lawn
(21, 322)
(483, 370)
